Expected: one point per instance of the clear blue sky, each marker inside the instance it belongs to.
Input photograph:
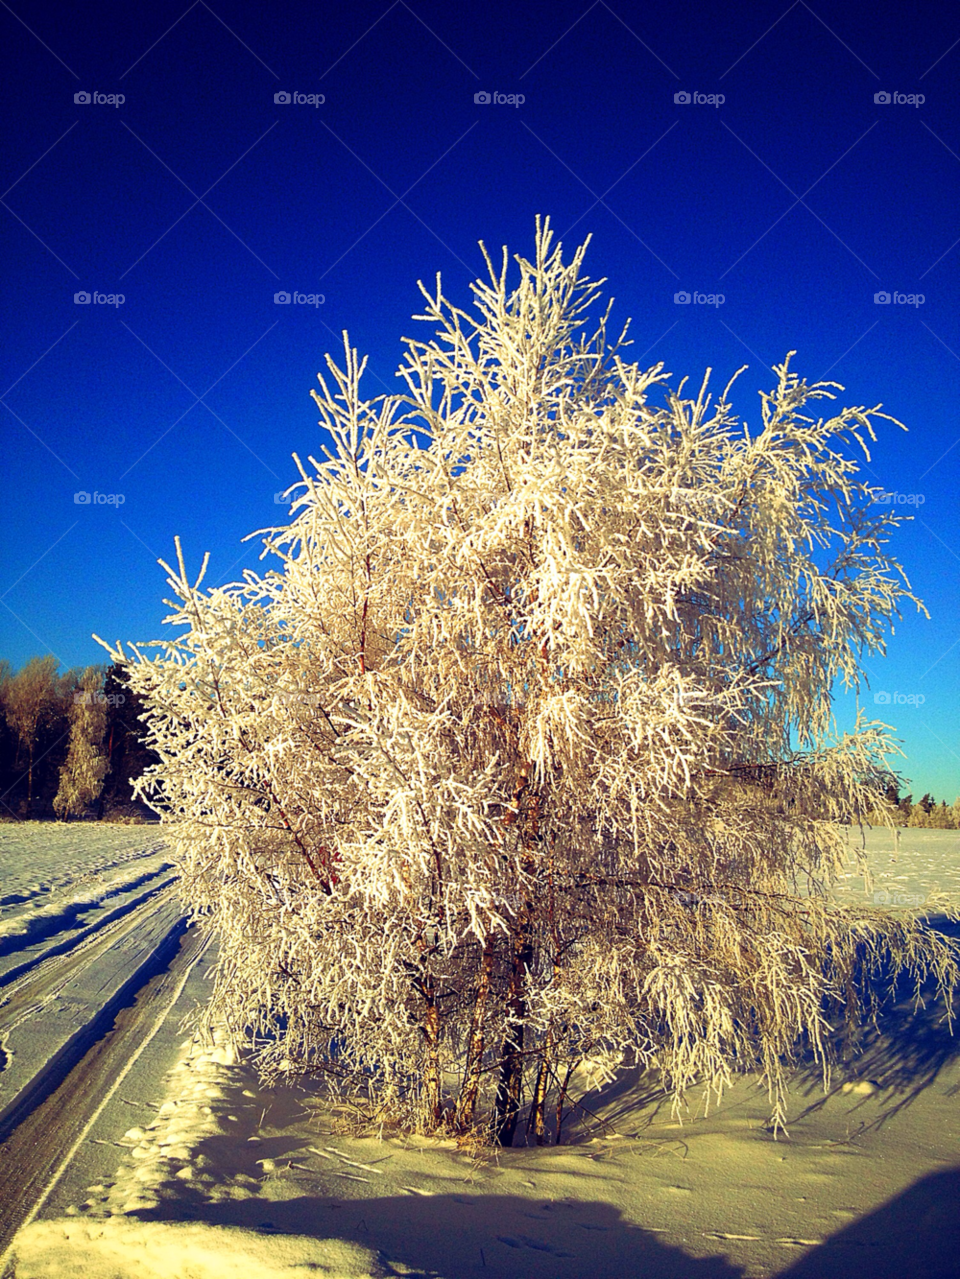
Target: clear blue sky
(199, 197)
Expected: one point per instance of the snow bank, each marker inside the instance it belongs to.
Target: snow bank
(118, 1248)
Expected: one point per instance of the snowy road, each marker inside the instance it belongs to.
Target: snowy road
(52, 1016)
(89, 954)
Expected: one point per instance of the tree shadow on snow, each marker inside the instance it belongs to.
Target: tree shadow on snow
(914, 1236)
(904, 1054)
(469, 1236)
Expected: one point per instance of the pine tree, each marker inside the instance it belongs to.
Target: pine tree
(521, 753)
(128, 757)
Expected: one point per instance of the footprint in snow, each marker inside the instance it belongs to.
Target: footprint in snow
(538, 1245)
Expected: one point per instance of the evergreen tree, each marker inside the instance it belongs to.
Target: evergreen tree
(128, 755)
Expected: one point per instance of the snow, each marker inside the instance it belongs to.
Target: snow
(48, 1025)
(228, 1175)
(927, 862)
(37, 858)
(51, 873)
(82, 914)
(80, 1250)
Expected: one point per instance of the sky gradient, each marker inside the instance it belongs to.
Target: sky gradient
(798, 198)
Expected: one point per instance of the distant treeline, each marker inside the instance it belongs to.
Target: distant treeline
(925, 812)
(70, 744)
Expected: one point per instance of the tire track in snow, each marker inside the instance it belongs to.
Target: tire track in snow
(79, 942)
(40, 927)
(54, 1017)
(35, 1156)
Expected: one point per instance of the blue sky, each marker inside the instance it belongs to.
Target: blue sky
(798, 198)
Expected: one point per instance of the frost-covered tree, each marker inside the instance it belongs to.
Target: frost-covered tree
(87, 762)
(30, 700)
(521, 754)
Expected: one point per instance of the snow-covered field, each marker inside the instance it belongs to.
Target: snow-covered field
(225, 1176)
(908, 868)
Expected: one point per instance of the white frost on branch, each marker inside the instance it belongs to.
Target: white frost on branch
(519, 757)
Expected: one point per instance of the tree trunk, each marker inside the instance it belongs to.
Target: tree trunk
(536, 1121)
(431, 1071)
(103, 789)
(561, 1100)
(475, 1045)
(509, 1087)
